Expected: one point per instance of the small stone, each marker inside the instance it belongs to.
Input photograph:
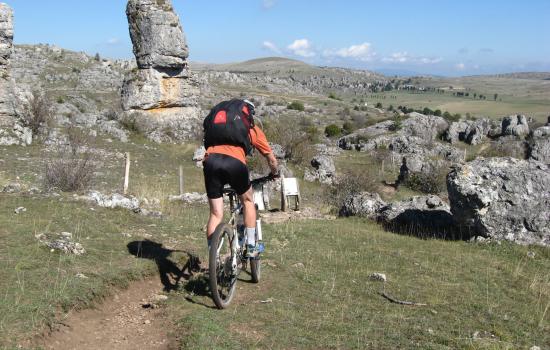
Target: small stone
(20, 210)
(299, 265)
(160, 297)
(81, 275)
(147, 322)
(378, 277)
(431, 331)
(531, 254)
(267, 301)
(534, 347)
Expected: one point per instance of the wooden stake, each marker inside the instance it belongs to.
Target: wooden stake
(181, 180)
(127, 173)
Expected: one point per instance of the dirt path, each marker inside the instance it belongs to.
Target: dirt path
(128, 320)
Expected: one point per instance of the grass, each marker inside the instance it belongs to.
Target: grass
(37, 285)
(316, 279)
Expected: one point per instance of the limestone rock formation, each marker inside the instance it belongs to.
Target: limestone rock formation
(363, 204)
(515, 125)
(502, 198)
(472, 132)
(160, 97)
(423, 216)
(323, 170)
(6, 50)
(539, 146)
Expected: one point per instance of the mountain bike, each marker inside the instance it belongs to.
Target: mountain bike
(227, 255)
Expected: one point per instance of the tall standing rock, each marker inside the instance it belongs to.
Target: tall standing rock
(160, 96)
(6, 50)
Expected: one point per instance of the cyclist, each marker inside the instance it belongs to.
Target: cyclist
(225, 163)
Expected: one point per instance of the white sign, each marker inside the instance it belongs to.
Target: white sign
(290, 184)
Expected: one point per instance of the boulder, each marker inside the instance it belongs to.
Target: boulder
(114, 200)
(156, 33)
(422, 216)
(323, 170)
(472, 132)
(516, 125)
(503, 199)
(350, 141)
(427, 127)
(364, 204)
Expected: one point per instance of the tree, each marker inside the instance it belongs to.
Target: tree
(496, 96)
(378, 105)
(97, 57)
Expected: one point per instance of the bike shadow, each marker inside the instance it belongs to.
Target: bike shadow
(169, 271)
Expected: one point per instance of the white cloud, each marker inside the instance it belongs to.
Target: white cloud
(301, 47)
(397, 57)
(268, 45)
(405, 57)
(361, 52)
(113, 41)
(460, 66)
(267, 4)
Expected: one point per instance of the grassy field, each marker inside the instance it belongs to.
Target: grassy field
(315, 286)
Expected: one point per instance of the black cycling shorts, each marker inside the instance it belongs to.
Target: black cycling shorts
(219, 170)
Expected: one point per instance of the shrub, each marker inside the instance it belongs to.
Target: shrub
(378, 105)
(296, 139)
(351, 182)
(332, 130)
(37, 113)
(347, 128)
(296, 105)
(60, 99)
(73, 167)
(428, 183)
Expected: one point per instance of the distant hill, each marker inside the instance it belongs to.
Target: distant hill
(521, 75)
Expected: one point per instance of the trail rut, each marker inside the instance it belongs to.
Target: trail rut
(127, 320)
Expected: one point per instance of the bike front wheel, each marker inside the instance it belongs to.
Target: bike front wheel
(222, 273)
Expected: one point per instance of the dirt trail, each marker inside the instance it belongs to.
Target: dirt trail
(122, 322)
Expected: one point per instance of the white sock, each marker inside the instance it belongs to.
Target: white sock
(251, 235)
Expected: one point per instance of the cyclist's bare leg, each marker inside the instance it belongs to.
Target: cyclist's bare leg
(216, 215)
(249, 208)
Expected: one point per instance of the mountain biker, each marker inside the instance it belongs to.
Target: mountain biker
(225, 163)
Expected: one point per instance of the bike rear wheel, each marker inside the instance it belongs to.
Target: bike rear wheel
(222, 276)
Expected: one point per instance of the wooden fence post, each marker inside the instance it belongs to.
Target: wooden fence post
(127, 173)
(181, 180)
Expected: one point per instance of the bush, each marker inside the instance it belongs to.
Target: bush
(37, 113)
(378, 105)
(332, 130)
(295, 139)
(73, 168)
(296, 105)
(348, 128)
(352, 182)
(334, 97)
(433, 183)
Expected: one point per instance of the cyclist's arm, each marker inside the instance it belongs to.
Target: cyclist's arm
(259, 141)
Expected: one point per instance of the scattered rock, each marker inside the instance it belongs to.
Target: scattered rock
(299, 265)
(381, 277)
(193, 197)
(503, 199)
(62, 242)
(539, 145)
(12, 187)
(114, 200)
(198, 156)
(20, 210)
(81, 275)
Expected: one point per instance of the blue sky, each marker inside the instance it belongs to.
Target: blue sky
(445, 37)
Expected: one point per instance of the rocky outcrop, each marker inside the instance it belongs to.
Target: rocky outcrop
(323, 170)
(516, 125)
(503, 199)
(422, 216)
(472, 132)
(364, 204)
(350, 141)
(160, 96)
(427, 127)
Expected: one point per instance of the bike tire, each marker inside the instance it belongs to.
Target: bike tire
(255, 269)
(222, 286)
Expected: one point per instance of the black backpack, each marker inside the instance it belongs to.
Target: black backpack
(227, 124)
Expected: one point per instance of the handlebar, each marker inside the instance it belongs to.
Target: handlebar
(264, 179)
